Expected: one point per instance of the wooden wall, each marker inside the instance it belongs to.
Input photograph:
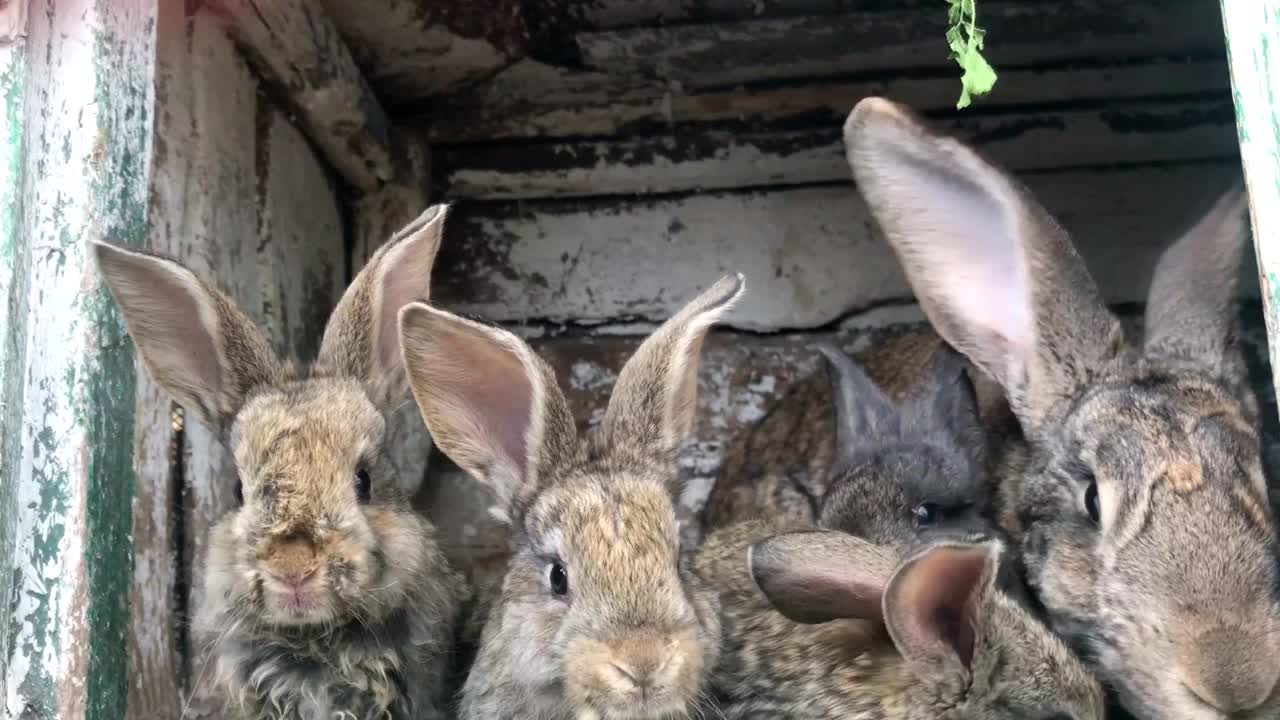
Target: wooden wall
(642, 150)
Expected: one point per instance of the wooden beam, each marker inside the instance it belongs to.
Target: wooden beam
(1253, 31)
(723, 54)
(295, 47)
(533, 100)
(410, 49)
(87, 128)
(715, 160)
(810, 254)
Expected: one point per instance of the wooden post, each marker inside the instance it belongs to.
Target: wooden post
(86, 129)
(1253, 53)
(13, 295)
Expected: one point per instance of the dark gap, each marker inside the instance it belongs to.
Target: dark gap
(182, 567)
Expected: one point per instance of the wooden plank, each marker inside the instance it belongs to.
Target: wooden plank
(810, 255)
(15, 261)
(714, 160)
(375, 218)
(294, 45)
(411, 49)
(1253, 32)
(532, 100)
(722, 54)
(87, 137)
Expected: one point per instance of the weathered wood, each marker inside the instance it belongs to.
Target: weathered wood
(810, 255)
(294, 45)
(531, 99)
(87, 134)
(714, 160)
(577, 15)
(712, 55)
(238, 195)
(375, 218)
(1253, 34)
(14, 269)
(411, 49)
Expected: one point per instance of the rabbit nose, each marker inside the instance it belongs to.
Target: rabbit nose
(1232, 670)
(644, 664)
(291, 561)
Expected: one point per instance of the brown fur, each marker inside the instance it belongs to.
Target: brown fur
(368, 631)
(848, 668)
(1181, 563)
(633, 632)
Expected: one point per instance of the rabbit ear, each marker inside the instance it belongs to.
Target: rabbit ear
(947, 400)
(933, 607)
(653, 402)
(490, 403)
(814, 576)
(1190, 313)
(998, 278)
(195, 343)
(360, 340)
(862, 411)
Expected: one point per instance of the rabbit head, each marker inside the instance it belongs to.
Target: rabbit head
(597, 617)
(1138, 496)
(322, 534)
(968, 651)
(908, 470)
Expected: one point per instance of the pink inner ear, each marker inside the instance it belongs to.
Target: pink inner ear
(405, 278)
(940, 598)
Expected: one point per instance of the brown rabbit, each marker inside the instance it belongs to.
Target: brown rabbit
(821, 625)
(1138, 495)
(890, 459)
(325, 595)
(598, 617)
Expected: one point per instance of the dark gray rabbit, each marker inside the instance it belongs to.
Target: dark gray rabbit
(1135, 488)
(326, 595)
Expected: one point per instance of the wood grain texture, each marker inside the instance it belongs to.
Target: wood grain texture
(723, 54)
(240, 196)
(84, 171)
(410, 49)
(715, 160)
(810, 255)
(1253, 45)
(535, 100)
(294, 45)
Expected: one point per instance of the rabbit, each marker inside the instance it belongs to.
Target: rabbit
(1134, 486)
(890, 453)
(908, 471)
(324, 594)
(823, 625)
(598, 615)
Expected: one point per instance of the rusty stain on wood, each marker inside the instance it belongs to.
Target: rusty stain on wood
(293, 44)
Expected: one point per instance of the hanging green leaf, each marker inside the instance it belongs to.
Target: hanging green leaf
(965, 39)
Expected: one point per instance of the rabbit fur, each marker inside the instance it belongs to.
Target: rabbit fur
(598, 616)
(325, 595)
(1134, 487)
(822, 625)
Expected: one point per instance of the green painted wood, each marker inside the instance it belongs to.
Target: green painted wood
(1253, 52)
(87, 130)
(13, 303)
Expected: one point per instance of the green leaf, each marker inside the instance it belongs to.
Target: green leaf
(965, 41)
(978, 79)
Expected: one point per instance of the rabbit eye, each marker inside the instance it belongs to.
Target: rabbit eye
(1091, 502)
(925, 514)
(363, 485)
(559, 579)
(239, 492)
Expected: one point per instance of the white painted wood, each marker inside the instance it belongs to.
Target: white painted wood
(722, 54)
(411, 49)
(530, 99)
(293, 44)
(1120, 135)
(810, 255)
